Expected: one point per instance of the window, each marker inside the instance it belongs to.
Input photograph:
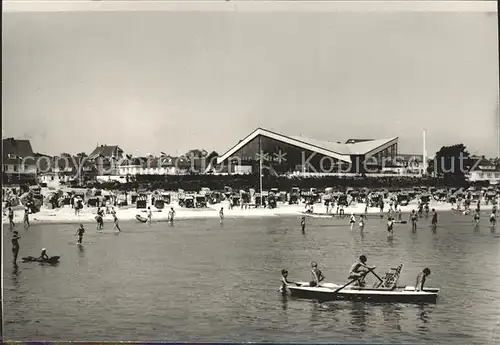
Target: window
(11, 156)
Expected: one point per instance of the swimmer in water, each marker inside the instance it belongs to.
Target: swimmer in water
(11, 218)
(303, 223)
(26, 217)
(116, 226)
(150, 215)
(434, 220)
(493, 219)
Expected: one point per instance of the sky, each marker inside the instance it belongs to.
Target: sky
(155, 82)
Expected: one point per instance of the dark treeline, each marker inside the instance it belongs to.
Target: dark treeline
(194, 183)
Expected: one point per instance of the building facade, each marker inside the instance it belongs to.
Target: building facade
(107, 159)
(18, 162)
(280, 154)
(484, 170)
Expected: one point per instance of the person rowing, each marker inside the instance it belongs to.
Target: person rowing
(317, 275)
(421, 277)
(359, 270)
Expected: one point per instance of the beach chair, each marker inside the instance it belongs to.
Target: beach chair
(390, 279)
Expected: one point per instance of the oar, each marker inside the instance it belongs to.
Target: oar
(353, 280)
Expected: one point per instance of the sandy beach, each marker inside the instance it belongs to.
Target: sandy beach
(87, 215)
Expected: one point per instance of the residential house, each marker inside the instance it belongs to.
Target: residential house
(483, 170)
(64, 169)
(18, 162)
(165, 165)
(107, 159)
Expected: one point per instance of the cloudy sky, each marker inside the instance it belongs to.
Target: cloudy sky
(172, 81)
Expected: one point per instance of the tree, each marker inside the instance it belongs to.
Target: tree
(450, 162)
(212, 155)
(81, 154)
(196, 153)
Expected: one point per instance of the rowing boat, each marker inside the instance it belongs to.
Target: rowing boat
(383, 291)
(141, 219)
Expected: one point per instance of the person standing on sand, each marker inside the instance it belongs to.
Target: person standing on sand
(26, 217)
(15, 245)
(150, 216)
(11, 218)
(171, 215)
(221, 214)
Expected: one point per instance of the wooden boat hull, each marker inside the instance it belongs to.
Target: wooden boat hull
(326, 292)
(141, 219)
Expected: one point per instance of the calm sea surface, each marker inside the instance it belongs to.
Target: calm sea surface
(200, 281)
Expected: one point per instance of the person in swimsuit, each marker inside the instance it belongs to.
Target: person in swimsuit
(80, 232)
(361, 222)
(493, 219)
(221, 214)
(116, 226)
(494, 210)
(358, 271)
(434, 221)
(419, 285)
(171, 215)
(284, 280)
(15, 245)
(413, 220)
(26, 217)
(303, 223)
(316, 274)
(426, 208)
(11, 218)
(43, 255)
(352, 221)
(150, 215)
(477, 218)
(390, 227)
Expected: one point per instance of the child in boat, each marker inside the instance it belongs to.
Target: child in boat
(419, 285)
(317, 274)
(284, 280)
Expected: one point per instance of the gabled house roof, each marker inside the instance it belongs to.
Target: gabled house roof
(106, 151)
(481, 163)
(15, 149)
(335, 150)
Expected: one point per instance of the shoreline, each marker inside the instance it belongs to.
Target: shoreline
(66, 215)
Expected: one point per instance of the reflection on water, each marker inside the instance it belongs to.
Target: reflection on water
(204, 286)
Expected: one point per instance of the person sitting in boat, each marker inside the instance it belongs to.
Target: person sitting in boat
(419, 285)
(318, 276)
(284, 280)
(43, 255)
(358, 270)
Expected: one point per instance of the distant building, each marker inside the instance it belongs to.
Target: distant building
(107, 159)
(18, 162)
(283, 154)
(161, 166)
(406, 164)
(483, 170)
(60, 170)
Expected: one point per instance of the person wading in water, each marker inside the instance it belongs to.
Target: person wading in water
(80, 232)
(15, 245)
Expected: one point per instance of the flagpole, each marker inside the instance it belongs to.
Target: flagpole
(260, 170)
